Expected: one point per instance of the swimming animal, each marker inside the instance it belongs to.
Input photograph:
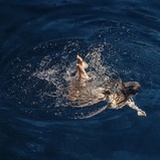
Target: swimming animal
(83, 91)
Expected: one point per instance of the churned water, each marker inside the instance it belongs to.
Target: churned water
(39, 43)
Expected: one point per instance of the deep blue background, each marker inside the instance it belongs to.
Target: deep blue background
(132, 30)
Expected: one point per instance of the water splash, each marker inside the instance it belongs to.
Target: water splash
(42, 82)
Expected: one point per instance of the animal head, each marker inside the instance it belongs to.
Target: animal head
(131, 88)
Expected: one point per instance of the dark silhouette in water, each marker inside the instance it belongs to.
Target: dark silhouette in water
(83, 92)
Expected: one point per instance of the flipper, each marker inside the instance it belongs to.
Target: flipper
(81, 65)
(131, 104)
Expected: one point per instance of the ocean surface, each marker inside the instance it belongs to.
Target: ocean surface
(39, 41)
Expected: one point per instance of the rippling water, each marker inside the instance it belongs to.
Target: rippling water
(40, 39)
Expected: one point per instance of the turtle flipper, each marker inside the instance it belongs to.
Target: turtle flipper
(81, 65)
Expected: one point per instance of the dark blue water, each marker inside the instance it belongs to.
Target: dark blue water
(46, 35)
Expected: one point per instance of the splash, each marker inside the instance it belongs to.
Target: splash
(59, 75)
(42, 82)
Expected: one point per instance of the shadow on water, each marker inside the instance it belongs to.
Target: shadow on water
(40, 39)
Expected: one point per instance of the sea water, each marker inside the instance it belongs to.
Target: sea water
(39, 43)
